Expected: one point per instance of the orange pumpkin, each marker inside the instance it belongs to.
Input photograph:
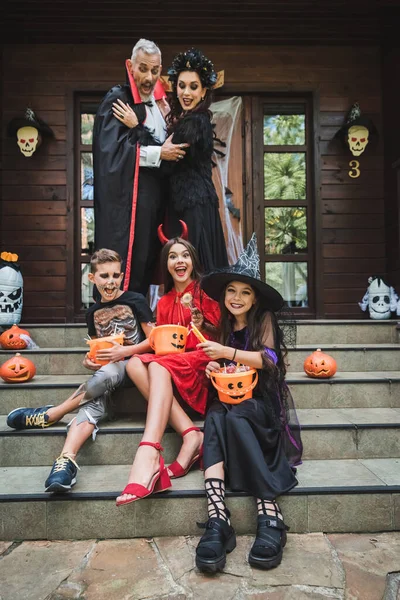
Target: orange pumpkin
(17, 369)
(11, 340)
(320, 365)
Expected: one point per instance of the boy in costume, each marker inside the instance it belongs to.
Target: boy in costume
(126, 311)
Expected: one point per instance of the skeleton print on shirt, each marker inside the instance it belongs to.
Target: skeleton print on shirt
(112, 319)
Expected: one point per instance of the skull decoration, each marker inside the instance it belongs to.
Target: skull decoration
(357, 138)
(357, 131)
(380, 298)
(29, 130)
(28, 138)
(11, 289)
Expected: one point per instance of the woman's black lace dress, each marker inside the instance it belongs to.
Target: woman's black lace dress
(192, 194)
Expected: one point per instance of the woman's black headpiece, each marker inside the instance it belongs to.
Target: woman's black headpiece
(193, 60)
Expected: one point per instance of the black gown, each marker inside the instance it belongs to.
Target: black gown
(249, 438)
(116, 183)
(192, 195)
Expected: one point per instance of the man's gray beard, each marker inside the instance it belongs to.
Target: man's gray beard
(146, 97)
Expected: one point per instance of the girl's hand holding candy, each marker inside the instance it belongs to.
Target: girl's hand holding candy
(197, 318)
(212, 367)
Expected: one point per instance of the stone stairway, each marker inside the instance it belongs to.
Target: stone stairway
(349, 481)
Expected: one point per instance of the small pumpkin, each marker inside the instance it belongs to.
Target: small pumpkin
(11, 340)
(320, 365)
(17, 369)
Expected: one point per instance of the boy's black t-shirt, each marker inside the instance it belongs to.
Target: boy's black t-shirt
(122, 314)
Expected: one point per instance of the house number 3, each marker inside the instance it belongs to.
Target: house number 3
(355, 170)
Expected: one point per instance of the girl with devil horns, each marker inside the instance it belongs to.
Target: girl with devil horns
(160, 378)
(192, 193)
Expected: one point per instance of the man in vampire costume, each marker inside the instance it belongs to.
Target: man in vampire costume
(129, 190)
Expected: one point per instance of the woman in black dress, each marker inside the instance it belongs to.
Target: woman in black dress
(192, 193)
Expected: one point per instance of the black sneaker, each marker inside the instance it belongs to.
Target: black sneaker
(29, 418)
(218, 540)
(62, 475)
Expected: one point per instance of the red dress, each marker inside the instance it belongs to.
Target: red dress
(187, 370)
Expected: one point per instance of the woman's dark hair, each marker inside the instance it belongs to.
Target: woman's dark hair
(166, 275)
(256, 319)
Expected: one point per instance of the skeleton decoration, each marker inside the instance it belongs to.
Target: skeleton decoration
(356, 134)
(11, 289)
(380, 298)
(29, 131)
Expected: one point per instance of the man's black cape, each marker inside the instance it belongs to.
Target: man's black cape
(119, 189)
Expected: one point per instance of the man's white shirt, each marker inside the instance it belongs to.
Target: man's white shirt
(155, 123)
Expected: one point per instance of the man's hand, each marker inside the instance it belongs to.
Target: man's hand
(214, 350)
(92, 366)
(212, 367)
(124, 113)
(114, 354)
(170, 151)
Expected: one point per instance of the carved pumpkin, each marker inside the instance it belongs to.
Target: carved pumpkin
(320, 365)
(17, 369)
(11, 340)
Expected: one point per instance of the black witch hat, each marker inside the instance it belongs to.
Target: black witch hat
(30, 119)
(354, 118)
(246, 270)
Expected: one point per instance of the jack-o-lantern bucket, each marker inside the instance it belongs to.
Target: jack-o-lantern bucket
(233, 388)
(168, 339)
(101, 343)
(17, 369)
(11, 340)
(320, 365)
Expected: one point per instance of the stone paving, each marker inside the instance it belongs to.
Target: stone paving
(315, 567)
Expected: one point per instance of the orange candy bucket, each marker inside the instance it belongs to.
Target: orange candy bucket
(168, 339)
(100, 344)
(233, 388)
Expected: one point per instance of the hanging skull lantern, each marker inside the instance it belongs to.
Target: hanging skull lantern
(11, 289)
(29, 131)
(27, 140)
(380, 298)
(357, 138)
(357, 131)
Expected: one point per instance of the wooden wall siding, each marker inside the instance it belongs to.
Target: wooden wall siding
(231, 21)
(37, 191)
(391, 133)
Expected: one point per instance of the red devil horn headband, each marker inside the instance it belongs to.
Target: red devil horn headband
(164, 240)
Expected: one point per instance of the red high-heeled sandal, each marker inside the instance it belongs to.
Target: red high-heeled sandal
(159, 482)
(176, 469)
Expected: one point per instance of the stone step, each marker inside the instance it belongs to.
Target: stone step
(316, 332)
(371, 389)
(355, 357)
(326, 433)
(332, 496)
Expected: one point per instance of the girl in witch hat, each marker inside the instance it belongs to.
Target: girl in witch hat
(163, 378)
(250, 444)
